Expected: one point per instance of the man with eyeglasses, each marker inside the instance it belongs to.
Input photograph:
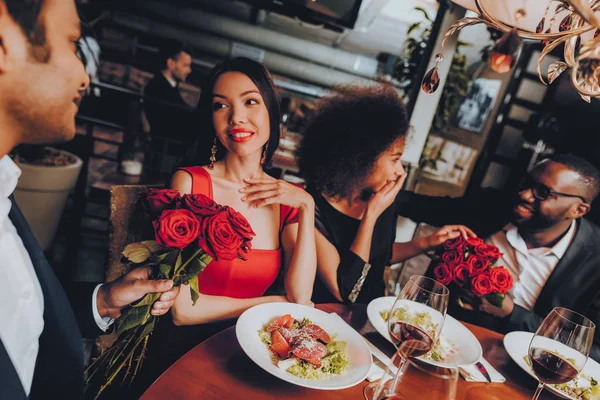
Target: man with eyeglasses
(552, 253)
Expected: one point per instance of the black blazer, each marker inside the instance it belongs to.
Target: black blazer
(574, 283)
(168, 114)
(59, 367)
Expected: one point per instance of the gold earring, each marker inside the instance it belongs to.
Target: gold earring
(263, 159)
(213, 154)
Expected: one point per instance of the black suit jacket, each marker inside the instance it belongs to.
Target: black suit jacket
(168, 114)
(574, 283)
(59, 366)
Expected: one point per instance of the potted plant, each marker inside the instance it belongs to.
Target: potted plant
(48, 176)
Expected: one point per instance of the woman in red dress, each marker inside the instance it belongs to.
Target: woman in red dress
(239, 109)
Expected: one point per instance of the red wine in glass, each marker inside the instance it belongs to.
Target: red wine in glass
(551, 368)
(418, 342)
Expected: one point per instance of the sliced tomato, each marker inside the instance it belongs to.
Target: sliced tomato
(315, 331)
(279, 345)
(285, 321)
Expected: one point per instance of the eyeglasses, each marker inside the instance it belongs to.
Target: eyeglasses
(541, 192)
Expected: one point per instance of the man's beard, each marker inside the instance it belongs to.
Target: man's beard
(537, 222)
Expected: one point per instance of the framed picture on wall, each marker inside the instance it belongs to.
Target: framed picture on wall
(477, 105)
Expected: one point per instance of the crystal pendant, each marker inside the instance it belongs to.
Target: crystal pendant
(505, 52)
(431, 81)
(565, 24)
(540, 26)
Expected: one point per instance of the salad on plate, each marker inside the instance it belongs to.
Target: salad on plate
(304, 349)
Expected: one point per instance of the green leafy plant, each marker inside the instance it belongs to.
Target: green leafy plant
(457, 81)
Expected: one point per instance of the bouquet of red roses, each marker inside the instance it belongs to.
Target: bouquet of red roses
(471, 265)
(184, 235)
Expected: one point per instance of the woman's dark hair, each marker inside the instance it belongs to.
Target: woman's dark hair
(350, 130)
(199, 153)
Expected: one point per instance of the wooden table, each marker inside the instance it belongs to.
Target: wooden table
(218, 369)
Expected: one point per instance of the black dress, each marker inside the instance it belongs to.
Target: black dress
(340, 229)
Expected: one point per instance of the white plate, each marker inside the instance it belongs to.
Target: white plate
(517, 347)
(467, 345)
(256, 318)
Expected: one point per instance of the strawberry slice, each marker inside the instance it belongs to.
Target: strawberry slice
(309, 350)
(315, 331)
(279, 345)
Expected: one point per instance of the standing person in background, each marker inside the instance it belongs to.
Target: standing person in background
(169, 116)
(350, 158)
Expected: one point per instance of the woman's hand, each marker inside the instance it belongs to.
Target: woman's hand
(384, 197)
(445, 233)
(262, 192)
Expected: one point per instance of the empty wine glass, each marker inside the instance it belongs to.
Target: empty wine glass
(440, 382)
(415, 320)
(560, 347)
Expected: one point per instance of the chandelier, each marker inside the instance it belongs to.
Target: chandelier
(560, 21)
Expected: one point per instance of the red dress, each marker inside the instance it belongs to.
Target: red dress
(238, 278)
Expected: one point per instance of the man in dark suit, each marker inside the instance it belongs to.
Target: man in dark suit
(552, 253)
(167, 112)
(41, 83)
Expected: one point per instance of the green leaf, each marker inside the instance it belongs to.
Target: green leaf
(137, 252)
(178, 263)
(495, 299)
(152, 245)
(148, 299)
(165, 271)
(149, 327)
(424, 13)
(132, 317)
(412, 27)
(194, 267)
(194, 289)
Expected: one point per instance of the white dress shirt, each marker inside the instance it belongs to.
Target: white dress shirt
(171, 81)
(530, 268)
(21, 297)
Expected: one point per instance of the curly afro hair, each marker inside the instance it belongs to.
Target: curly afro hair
(350, 130)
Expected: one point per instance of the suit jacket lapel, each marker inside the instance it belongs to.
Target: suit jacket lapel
(571, 263)
(59, 367)
(11, 387)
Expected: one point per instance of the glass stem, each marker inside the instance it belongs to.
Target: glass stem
(401, 367)
(538, 391)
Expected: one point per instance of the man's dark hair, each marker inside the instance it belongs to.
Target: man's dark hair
(590, 176)
(171, 49)
(27, 14)
(351, 129)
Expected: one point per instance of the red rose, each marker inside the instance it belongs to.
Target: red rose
(502, 280)
(200, 205)
(443, 273)
(456, 243)
(477, 264)
(219, 239)
(462, 272)
(176, 228)
(240, 224)
(488, 251)
(452, 256)
(481, 285)
(158, 200)
(471, 241)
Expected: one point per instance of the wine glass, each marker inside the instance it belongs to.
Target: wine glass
(441, 382)
(560, 347)
(415, 320)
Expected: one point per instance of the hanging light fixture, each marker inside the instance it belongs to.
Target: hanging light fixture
(578, 28)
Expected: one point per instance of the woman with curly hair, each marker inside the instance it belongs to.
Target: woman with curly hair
(350, 158)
